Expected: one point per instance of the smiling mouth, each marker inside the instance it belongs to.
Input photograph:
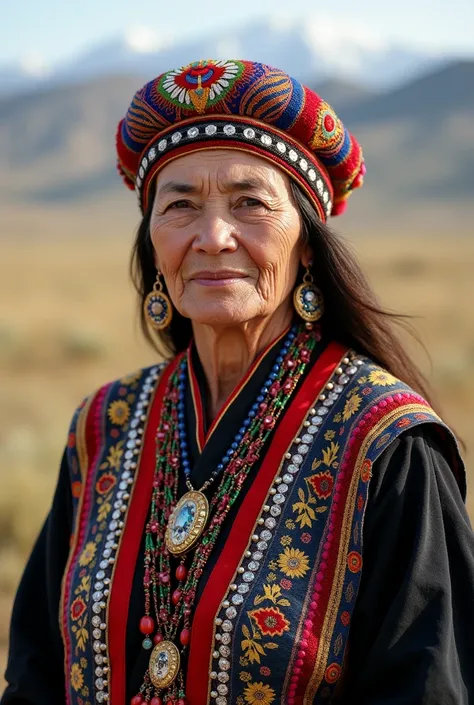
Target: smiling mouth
(219, 278)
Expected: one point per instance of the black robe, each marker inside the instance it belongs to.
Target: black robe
(412, 633)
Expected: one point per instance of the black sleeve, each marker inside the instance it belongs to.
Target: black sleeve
(411, 641)
(35, 669)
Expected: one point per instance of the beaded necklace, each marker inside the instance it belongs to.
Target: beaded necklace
(175, 527)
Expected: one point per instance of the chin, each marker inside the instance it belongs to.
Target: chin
(219, 315)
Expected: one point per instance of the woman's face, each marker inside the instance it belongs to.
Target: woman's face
(226, 234)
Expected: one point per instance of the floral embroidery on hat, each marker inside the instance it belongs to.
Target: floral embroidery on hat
(200, 84)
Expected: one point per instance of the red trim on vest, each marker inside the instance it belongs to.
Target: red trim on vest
(128, 552)
(216, 588)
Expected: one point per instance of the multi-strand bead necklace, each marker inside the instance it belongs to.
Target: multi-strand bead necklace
(191, 526)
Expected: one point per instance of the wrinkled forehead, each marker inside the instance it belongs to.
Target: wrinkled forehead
(225, 169)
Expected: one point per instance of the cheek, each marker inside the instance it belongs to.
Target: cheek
(276, 250)
(170, 248)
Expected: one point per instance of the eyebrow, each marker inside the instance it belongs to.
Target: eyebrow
(248, 184)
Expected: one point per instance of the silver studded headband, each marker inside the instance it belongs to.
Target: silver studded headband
(241, 134)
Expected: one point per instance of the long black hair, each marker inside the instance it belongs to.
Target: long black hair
(352, 315)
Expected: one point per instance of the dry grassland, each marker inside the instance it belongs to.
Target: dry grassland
(67, 326)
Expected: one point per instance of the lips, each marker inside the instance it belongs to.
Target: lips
(219, 274)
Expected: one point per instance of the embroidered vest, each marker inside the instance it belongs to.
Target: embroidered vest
(273, 621)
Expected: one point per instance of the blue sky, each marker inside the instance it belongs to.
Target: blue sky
(50, 29)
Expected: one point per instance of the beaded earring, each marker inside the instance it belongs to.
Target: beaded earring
(308, 299)
(157, 306)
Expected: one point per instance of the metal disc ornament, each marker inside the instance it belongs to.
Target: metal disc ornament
(164, 664)
(187, 522)
(158, 309)
(308, 302)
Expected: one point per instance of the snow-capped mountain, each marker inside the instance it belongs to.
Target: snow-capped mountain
(316, 48)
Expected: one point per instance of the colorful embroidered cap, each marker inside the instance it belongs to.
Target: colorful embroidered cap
(246, 106)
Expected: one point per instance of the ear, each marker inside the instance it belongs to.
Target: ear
(306, 256)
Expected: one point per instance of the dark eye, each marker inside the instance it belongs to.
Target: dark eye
(249, 202)
(178, 205)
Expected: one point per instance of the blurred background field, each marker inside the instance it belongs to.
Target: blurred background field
(67, 308)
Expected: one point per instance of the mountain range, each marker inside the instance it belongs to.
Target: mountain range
(57, 147)
(321, 48)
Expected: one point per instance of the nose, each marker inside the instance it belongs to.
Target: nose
(215, 234)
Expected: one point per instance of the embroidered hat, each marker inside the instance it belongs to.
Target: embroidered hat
(246, 106)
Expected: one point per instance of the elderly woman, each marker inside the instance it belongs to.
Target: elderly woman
(275, 514)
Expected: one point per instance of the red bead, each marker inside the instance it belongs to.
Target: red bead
(182, 701)
(176, 596)
(156, 701)
(185, 636)
(275, 388)
(289, 364)
(147, 625)
(263, 407)
(169, 480)
(224, 502)
(158, 638)
(288, 386)
(164, 578)
(181, 573)
(304, 355)
(268, 422)
(137, 700)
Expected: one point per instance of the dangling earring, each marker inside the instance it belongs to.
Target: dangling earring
(308, 299)
(157, 307)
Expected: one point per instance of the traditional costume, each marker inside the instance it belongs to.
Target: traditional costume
(309, 546)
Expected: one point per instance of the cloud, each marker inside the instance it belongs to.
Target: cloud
(342, 44)
(143, 40)
(34, 65)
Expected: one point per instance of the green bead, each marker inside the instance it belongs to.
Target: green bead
(147, 643)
